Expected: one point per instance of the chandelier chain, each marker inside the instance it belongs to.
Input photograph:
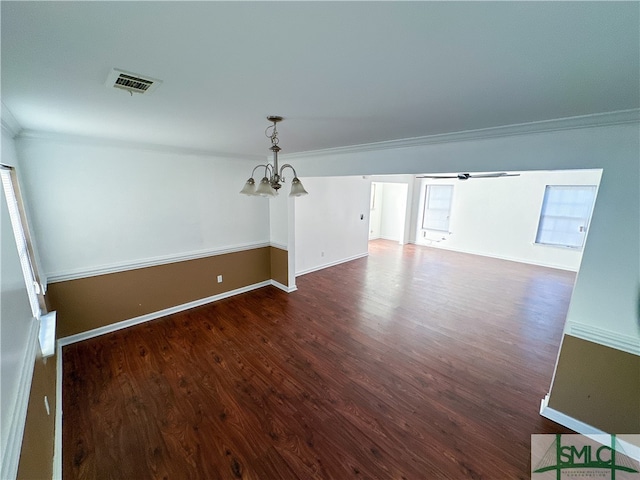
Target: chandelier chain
(273, 135)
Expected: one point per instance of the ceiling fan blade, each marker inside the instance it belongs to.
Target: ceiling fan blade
(494, 175)
(437, 177)
(466, 176)
(459, 176)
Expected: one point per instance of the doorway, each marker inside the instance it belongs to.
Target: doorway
(388, 211)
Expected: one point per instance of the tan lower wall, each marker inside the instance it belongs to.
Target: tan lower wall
(92, 302)
(280, 266)
(36, 455)
(597, 385)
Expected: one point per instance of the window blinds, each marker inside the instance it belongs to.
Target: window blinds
(21, 241)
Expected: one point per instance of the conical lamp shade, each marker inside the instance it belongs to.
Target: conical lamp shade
(265, 189)
(249, 187)
(297, 190)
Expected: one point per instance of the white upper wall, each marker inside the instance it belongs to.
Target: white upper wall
(328, 227)
(498, 217)
(97, 207)
(605, 297)
(278, 217)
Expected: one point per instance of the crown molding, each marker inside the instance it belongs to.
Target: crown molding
(620, 117)
(9, 122)
(130, 144)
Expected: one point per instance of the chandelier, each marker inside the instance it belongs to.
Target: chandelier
(271, 182)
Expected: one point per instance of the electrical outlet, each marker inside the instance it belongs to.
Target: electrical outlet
(219, 278)
(322, 254)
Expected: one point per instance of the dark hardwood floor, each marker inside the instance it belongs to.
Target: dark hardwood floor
(413, 363)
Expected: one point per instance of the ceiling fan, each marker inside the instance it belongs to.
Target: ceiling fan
(466, 176)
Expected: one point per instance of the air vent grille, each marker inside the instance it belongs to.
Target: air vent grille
(131, 82)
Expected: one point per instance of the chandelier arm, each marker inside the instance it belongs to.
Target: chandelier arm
(257, 167)
(269, 171)
(286, 165)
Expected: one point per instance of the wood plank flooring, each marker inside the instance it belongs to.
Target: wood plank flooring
(413, 363)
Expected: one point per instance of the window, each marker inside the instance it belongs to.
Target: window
(437, 207)
(565, 216)
(30, 277)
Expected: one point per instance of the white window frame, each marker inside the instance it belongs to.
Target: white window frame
(435, 218)
(22, 237)
(558, 217)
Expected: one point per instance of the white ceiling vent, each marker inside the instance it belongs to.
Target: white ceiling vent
(131, 82)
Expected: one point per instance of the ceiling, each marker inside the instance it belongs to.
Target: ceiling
(341, 73)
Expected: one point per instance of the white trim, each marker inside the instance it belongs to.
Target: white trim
(619, 341)
(284, 287)
(11, 455)
(119, 143)
(565, 420)
(281, 246)
(584, 121)
(630, 449)
(331, 264)
(383, 237)
(96, 332)
(150, 262)
(583, 428)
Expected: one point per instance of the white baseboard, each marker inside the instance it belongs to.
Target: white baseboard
(284, 287)
(578, 426)
(565, 420)
(11, 455)
(331, 264)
